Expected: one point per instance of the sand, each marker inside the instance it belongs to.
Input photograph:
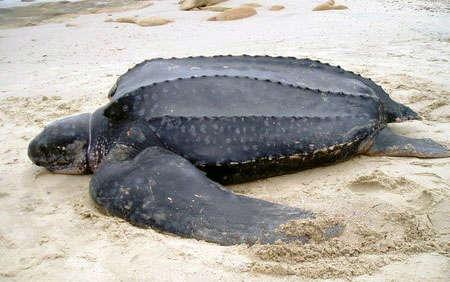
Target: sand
(395, 210)
(60, 11)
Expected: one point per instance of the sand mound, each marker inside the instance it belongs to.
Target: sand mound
(252, 5)
(125, 20)
(359, 250)
(378, 180)
(317, 230)
(215, 8)
(276, 8)
(193, 4)
(234, 14)
(151, 21)
(329, 5)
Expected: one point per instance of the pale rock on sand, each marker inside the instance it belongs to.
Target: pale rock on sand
(151, 21)
(215, 8)
(252, 5)
(234, 14)
(329, 5)
(276, 8)
(126, 20)
(192, 4)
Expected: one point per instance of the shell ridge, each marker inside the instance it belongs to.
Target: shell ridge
(335, 117)
(318, 91)
(285, 58)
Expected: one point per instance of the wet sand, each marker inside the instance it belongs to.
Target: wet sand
(395, 209)
(61, 11)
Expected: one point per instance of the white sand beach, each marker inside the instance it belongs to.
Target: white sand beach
(396, 210)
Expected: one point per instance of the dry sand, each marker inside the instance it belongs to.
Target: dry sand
(396, 210)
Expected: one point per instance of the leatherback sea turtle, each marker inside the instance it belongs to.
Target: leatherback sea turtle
(174, 129)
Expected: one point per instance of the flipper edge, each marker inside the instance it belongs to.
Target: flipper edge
(387, 143)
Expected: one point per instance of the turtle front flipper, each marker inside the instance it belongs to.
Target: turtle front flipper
(387, 143)
(157, 188)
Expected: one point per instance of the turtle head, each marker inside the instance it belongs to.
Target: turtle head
(62, 146)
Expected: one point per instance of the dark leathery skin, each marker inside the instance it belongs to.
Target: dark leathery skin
(389, 143)
(165, 191)
(301, 72)
(308, 127)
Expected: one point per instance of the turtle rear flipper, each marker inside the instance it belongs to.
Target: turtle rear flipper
(387, 143)
(157, 188)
